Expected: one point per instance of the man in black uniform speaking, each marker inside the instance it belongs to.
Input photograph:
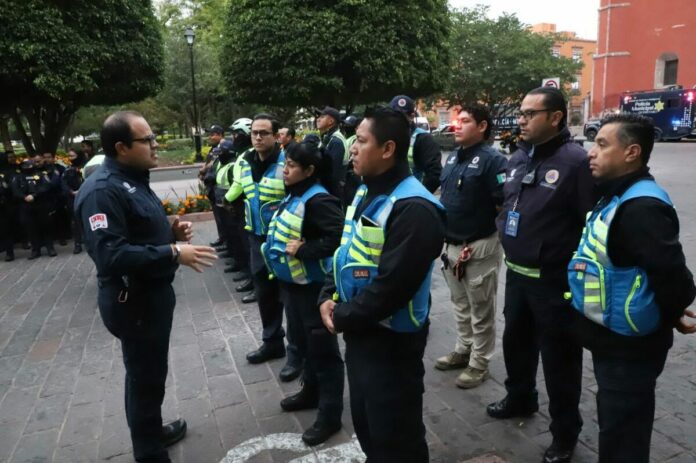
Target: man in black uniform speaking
(379, 294)
(134, 248)
(548, 191)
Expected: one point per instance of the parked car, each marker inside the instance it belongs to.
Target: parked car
(591, 128)
(444, 136)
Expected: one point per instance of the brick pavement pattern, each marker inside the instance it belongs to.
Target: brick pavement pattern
(61, 380)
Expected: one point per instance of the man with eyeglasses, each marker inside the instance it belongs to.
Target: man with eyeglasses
(547, 193)
(135, 250)
(260, 174)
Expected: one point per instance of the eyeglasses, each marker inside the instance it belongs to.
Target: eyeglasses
(149, 139)
(530, 113)
(260, 133)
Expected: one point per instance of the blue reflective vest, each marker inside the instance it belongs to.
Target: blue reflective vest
(261, 200)
(619, 298)
(411, 163)
(356, 261)
(286, 225)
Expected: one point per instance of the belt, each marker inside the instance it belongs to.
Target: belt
(526, 271)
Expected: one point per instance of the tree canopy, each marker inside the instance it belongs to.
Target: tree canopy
(343, 52)
(499, 60)
(58, 55)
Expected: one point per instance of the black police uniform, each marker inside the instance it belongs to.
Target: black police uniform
(385, 368)
(323, 371)
(471, 189)
(427, 159)
(209, 183)
(71, 181)
(551, 188)
(6, 208)
(235, 228)
(335, 148)
(129, 238)
(644, 233)
(37, 216)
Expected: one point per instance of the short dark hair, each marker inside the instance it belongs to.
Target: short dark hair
(634, 129)
(480, 114)
(89, 143)
(291, 131)
(117, 129)
(389, 124)
(554, 101)
(275, 125)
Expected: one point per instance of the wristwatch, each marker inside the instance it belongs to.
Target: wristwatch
(177, 252)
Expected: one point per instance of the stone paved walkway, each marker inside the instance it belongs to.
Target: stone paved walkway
(61, 382)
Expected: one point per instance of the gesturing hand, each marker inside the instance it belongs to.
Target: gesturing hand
(326, 310)
(183, 231)
(197, 257)
(293, 246)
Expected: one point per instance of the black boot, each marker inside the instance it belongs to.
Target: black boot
(9, 255)
(35, 253)
(216, 243)
(320, 433)
(77, 249)
(307, 398)
(508, 408)
(173, 432)
(245, 286)
(51, 251)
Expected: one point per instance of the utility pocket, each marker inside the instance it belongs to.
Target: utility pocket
(639, 314)
(353, 278)
(266, 213)
(588, 288)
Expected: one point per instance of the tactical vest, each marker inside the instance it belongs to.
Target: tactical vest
(337, 134)
(414, 171)
(618, 298)
(357, 259)
(286, 225)
(263, 198)
(222, 181)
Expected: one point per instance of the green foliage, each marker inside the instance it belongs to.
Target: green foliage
(499, 60)
(59, 55)
(289, 53)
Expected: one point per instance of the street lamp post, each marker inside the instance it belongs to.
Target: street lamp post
(190, 35)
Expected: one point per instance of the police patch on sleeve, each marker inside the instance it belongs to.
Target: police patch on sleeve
(98, 221)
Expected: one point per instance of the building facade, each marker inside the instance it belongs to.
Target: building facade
(642, 45)
(581, 50)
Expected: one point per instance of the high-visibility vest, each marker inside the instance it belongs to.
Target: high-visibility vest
(356, 261)
(286, 225)
(618, 298)
(263, 198)
(338, 135)
(411, 163)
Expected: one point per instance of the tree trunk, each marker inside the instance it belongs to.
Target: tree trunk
(26, 140)
(5, 134)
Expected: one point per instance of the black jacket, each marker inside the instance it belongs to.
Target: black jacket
(414, 235)
(335, 148)
(552, 206)
(427, 158)
(645, 234)
(322, 225)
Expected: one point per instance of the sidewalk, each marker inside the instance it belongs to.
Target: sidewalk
(61, 382)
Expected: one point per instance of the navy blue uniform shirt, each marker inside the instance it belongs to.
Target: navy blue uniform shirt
(552, 206)
(471, 188)
(125, 228)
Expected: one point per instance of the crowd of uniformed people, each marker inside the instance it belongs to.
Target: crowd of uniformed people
(341, 233)
(36, 201)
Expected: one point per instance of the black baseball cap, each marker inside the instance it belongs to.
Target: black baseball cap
(329, 111)
(403, 103)
(215, 129)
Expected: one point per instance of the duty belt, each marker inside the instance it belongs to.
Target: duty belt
(526, 271)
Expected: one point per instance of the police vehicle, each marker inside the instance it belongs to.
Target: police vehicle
(672, 110)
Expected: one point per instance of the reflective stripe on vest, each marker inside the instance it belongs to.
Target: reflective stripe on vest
(262, 198)
(286, 225)
(339, 135)
(615, 297)
(526, 271)
(221, 176)
(356, 261)
(411, 163)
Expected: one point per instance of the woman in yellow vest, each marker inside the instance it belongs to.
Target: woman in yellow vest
(302, 237)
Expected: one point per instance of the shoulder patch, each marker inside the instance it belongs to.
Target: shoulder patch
(97, 221)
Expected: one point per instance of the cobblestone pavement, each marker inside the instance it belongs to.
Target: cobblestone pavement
(61, 377)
